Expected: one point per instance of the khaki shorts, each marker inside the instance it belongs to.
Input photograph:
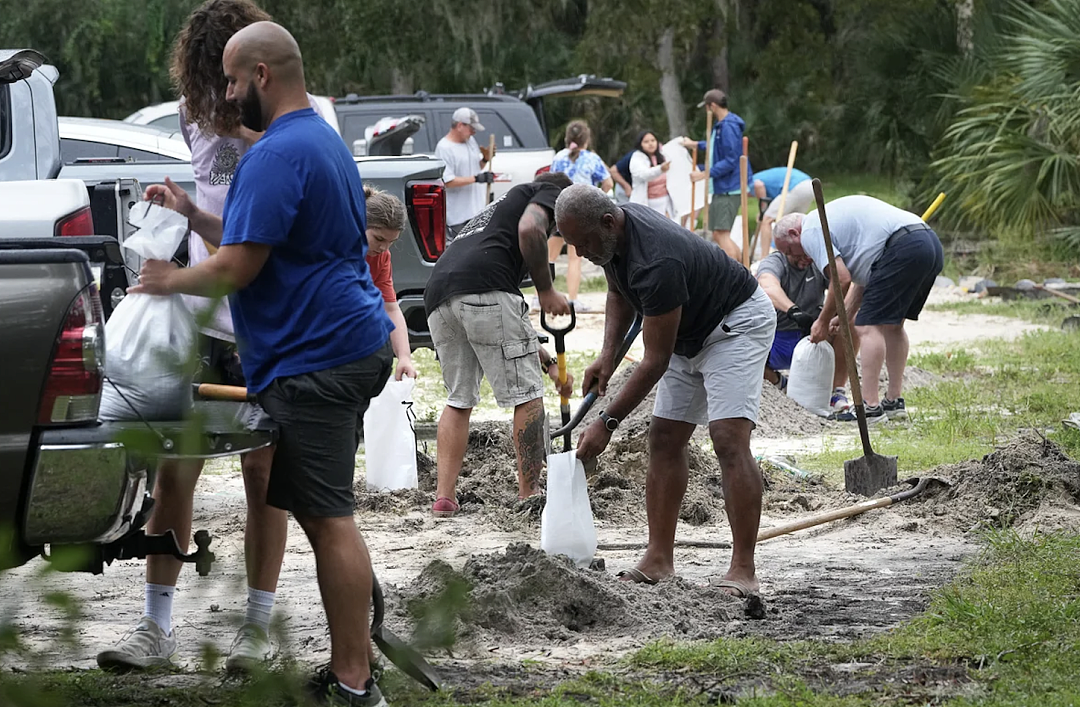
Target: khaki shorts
(799, 200)
(487, 334)
(723, 381)
(722, 211)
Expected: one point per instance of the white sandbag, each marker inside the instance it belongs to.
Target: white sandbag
(150, 340)
(389, 438)
(566, 525)
(811, 376)
(679, 185)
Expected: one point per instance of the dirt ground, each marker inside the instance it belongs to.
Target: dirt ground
(843, 580)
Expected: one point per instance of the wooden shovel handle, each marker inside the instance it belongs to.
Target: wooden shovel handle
(213, 391)
(826, 517)
(845, 325)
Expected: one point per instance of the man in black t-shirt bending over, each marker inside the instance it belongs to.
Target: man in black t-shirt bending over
(707, 331)
(480, 326)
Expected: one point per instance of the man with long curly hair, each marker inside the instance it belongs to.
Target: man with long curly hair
(212, 129)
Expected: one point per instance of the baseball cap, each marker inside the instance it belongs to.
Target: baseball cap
(467, 115)
(713, 96)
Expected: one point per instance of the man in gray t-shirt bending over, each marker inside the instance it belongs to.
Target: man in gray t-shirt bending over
(707, 331)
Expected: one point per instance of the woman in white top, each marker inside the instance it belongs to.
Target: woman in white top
(648, 170)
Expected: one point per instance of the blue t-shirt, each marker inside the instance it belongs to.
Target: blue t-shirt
(588, 168)
(773, 179)
(313, 305)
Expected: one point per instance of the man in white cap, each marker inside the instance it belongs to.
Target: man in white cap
(464, 175)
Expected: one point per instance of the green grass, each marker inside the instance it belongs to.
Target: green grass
(1009, 626)
(1049, 312)
(881, 187)
(991, 390)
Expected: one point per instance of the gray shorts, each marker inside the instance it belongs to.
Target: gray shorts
(799, 200)
(724, 380)
(722, 211)
(320, 414)
(487, 334)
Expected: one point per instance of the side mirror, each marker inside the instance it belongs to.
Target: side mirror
(359, 148)
(407, 146)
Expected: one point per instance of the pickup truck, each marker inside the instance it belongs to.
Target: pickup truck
(95, 194)
(72, 488)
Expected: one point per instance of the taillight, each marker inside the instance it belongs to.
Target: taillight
(80, 223)
(76, 372)
(427, 210)
(543, 170)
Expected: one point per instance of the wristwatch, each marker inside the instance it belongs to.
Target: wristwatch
(610, 422)
(550, 362)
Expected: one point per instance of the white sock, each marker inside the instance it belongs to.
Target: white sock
(259, 606)
(352, 690)
(159, 599)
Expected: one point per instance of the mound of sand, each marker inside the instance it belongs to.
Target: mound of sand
(1028, 484)
(537, 599)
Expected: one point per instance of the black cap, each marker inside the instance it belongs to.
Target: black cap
(714, 96)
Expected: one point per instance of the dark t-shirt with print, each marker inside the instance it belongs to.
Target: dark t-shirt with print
(664, 266)
(806, 287)
(485, 256)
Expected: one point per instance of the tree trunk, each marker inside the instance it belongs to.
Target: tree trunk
(965, 26)
(669, 84)
(400, 82)
(720, 47)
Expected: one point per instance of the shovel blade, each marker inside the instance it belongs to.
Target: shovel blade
(406, 658)
(869, 474)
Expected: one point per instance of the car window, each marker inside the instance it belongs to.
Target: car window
(133, 155)
(5, 121)
(356, 122)
(169, 122)
(514, 126)
(71, 150)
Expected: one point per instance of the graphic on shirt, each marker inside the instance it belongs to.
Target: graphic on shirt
(224, 165)
(480, 221)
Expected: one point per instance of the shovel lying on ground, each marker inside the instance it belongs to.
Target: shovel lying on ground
(918, 485)
(872, 472)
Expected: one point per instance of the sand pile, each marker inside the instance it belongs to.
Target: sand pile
(1028, 484)
(538, 599)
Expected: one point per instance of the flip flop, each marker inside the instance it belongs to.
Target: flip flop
(637, 576)
(744, 592)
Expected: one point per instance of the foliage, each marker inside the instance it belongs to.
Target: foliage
(1011, 157)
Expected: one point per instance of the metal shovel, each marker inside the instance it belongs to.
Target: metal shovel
(401, 654)
(871, 472)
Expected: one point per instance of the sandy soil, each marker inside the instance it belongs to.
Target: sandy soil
(843, 580)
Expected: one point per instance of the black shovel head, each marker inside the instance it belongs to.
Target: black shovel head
(869, 474)
(401, 654)
(407, 659)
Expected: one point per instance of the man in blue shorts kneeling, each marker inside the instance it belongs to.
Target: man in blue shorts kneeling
(798, 295)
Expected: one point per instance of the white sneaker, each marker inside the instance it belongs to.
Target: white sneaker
(580, 306)
(250, 650)
(144, 647)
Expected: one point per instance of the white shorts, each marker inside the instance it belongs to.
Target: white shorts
(724, 380)
(799, 200)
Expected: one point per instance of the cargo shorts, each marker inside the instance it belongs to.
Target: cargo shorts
(487, 334)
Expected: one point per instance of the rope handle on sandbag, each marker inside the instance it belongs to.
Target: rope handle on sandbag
(166, 443)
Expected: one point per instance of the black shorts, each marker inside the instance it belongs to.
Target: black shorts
(219, 363)
(320, 414)
(901, 279)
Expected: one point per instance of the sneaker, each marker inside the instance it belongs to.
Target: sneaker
(444, 508)
(250, 650)
(875, 415)
(534, 304)
(839, 402)
(781, 382)
(327, 690)
(894, 408)
(580, 306)
(145, 647)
